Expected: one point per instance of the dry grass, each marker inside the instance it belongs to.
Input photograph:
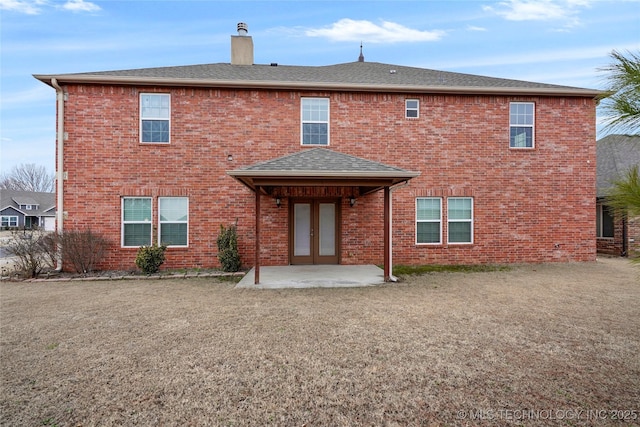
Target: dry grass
(504, 346)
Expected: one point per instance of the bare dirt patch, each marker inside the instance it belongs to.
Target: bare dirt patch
(538, 345)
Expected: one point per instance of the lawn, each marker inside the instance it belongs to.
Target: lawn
(553, 344)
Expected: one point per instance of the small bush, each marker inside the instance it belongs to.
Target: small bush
(150, 258)
(228, 248)
(31, 249)
(82, 248)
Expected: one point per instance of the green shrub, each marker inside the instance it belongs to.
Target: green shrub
(228, 248)
(150, 258)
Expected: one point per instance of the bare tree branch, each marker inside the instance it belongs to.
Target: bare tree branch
(28, 177)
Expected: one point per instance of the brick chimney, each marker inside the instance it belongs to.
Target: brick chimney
(242, 46)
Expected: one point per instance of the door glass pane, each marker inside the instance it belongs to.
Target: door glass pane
(302, 229)
(327, 229)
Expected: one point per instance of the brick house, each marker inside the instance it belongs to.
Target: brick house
(616, 154)
(354, 163)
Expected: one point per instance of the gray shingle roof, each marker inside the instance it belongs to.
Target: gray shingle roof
(615, 154)
(322, 161)
(323, 167)
(348, 76)
(14, 198)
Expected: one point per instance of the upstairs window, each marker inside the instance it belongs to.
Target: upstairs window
(521, 122)
(136, 221)
(155, 117)
(315, 121)
(411, 108)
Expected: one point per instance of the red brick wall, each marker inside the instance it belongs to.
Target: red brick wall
(529, 205)
(615, 245)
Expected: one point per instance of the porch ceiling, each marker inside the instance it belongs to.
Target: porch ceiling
(321, 167)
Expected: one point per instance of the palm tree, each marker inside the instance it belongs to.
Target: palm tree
(624, 195)
(621, 101)
(622, 104)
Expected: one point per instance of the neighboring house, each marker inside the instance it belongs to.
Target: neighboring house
(616, 155)
(27, 209)
(354, 163)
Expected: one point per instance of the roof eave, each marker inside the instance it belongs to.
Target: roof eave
(293, 85)
(321, 174)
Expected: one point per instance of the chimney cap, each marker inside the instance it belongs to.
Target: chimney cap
(243, 29)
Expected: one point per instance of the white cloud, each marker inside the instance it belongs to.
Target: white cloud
(367, 31)
(21, 6)
(81, 6)
(540, 10)
(35, 7)
(474, 28)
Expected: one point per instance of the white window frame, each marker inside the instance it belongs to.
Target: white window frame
(303, 121)
(531, 125)
(8, 219)
(470, 221)
(155, 118)
(123, 222)
(161, 222)
(439, 221)
(407, 109)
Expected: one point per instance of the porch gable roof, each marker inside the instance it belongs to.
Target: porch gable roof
(321, 167)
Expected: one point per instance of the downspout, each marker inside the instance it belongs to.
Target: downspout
(59, 169)
(391, 190)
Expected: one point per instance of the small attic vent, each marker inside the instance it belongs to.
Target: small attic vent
(274, 64)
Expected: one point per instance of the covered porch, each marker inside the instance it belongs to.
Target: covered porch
(319, 170)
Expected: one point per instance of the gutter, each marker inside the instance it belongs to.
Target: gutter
(300, 85)
(59, 169)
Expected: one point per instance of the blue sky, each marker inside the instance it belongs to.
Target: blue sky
(551, 41)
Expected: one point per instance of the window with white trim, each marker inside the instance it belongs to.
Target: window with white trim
(411, 108)
(428, 220)
(314, 121)
(9, 221)
(460, 220)
(136, 221)
(521, 124)
(155, 118)
(604, 221)
(173, 217)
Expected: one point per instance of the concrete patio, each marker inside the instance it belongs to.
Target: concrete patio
(314, 276)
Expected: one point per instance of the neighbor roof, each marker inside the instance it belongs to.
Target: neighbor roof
(351, 76)
(321, 166)
(615, 155)
(14, 198)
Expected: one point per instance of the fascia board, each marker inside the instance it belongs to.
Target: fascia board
(348, 87)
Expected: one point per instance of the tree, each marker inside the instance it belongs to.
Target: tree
(621, 102)
(624, 196)
(28, 177)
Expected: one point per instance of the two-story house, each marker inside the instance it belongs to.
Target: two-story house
(351, 163)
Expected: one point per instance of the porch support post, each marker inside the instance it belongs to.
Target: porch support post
(257, 260)
(387, 236)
